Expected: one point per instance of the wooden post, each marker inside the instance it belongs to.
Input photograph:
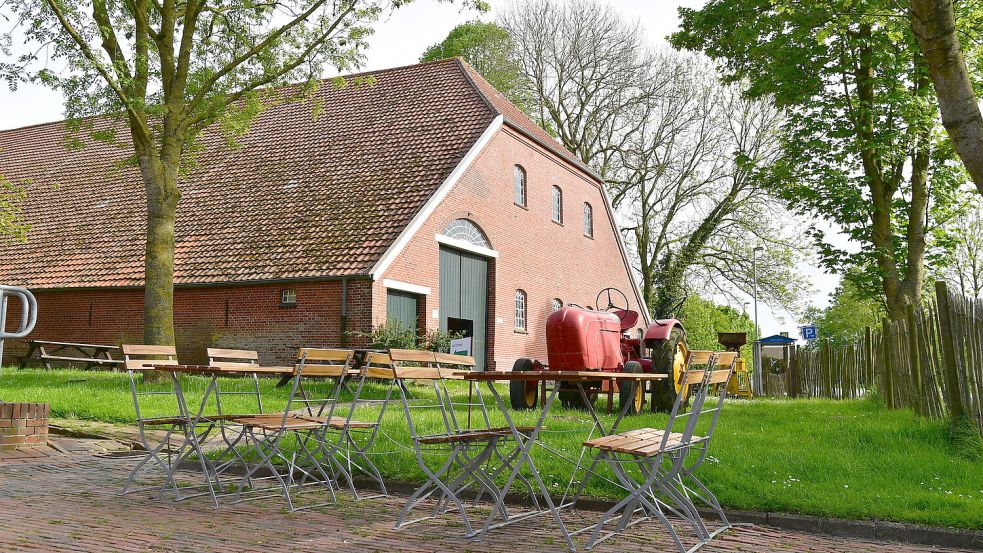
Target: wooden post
(792, 383)
(887, 376)
(868, 359)
(953, 397)
(915, 359)
(826, 363)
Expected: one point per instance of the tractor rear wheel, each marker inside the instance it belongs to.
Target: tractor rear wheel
(523, 394)
(632, 392)
(668, 358)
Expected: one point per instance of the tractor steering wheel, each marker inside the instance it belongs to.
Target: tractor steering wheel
(611, 305)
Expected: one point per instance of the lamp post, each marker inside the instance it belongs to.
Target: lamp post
(758, 382)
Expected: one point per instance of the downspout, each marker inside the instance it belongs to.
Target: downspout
(344, 312)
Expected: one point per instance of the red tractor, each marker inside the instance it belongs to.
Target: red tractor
(579, 339)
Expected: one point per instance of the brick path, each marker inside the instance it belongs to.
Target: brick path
(71, 503)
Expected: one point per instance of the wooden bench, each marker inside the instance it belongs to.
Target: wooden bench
(93, 355)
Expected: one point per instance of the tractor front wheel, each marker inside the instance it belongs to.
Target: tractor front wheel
(668, 358)
(630, 391)
(523, 394)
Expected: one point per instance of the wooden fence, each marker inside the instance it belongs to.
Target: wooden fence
(930, 362)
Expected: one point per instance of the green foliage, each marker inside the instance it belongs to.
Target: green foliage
(393, 334)
(490, 50)
(849, 313)
(966, 439)
(12, 225)
(861, 113)
(703, 319)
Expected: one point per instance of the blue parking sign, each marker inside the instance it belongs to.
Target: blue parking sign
(810, 332)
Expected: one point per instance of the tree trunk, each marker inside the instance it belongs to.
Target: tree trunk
(158, 311)
(160, 182)
(934, 24)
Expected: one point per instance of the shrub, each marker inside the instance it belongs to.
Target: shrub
(393, 334)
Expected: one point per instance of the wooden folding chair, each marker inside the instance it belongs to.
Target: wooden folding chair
(355, 438)
(463, 442)
(658, 455)
(295, 470)
(717, 385)
(177, 424)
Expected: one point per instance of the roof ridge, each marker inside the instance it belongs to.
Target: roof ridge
(283, 87)
(465, 66)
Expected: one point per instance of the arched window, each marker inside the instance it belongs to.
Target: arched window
(557, 205)
(520, 310)
(520, 186)
(557, 304)
(463, 229)
(588, 220)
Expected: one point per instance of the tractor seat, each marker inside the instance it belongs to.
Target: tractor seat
(628, 318)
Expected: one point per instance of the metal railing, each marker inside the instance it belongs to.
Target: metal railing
(28, 315)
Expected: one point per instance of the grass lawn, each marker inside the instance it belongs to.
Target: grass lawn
(849, 459)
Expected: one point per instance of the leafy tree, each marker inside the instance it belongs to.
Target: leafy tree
(703, 319)
(848, 315)
(164, 70)
(862, 141)
(489, 49)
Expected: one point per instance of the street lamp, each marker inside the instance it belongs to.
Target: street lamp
(758, 382)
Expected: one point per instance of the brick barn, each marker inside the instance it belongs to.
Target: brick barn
(417, 193)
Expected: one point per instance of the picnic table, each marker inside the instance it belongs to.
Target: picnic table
(91, 354)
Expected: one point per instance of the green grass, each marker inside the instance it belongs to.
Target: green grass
(849, 459)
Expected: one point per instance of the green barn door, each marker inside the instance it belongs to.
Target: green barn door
(464, 296)
(401, 306)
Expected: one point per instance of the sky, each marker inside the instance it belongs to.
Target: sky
(400, 38)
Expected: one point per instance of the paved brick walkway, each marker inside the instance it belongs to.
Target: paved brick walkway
(71, 503)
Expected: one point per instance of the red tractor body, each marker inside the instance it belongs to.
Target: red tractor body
(583, 340)
(579, 339)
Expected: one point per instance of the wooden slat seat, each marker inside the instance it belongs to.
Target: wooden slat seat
(274, 419)
(521, 429)
(277, 423)
(164, 421)
(643, 442)
(91, 360)
(472, 436)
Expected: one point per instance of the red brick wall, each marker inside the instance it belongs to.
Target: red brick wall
(23, 424)
(544, 259)
(241, 316)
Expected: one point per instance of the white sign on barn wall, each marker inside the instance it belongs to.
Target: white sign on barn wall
(461, 346)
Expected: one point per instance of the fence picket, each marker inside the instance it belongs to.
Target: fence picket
(930, 362)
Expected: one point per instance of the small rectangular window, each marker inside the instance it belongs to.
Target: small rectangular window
(288, 297)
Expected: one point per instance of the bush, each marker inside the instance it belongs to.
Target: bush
(393, 334)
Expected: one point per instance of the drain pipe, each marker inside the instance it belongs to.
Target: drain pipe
(344, 312)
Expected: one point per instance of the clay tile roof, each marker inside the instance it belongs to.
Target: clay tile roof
(316, 189)
(308, 193)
